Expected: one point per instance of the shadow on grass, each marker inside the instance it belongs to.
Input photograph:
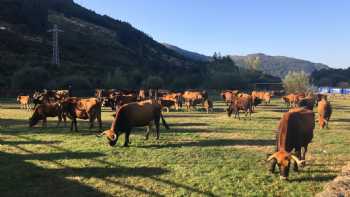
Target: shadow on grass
(318, 178)
(218, 142)
(187, 124)
(38, 181)
(20, 126)
(345, 120)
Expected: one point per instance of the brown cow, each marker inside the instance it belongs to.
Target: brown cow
(244, 103)
(295, 131)
(138, 114)
(264, 96)
(292, 99)
(86, 109)
(42, 111)
(24, 102)
(324, 110)
(193, 98)
(229, 95)
(175, 98)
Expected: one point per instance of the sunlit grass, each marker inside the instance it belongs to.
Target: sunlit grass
(202, 155)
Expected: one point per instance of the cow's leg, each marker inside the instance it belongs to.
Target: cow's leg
(74, 123)
(127, 135)
(156, 121)
(65, 120)
(273, 165)
(44, 122)
(304, 154)
(148, 130)
(91, 120)
(59, 120)
(99, 119)
(295, 166)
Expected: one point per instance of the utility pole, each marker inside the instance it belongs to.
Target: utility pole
(55, 48)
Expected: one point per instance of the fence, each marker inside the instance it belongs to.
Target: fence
(333, 90)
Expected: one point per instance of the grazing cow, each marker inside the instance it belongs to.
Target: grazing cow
(243, 103)
(295, 131)
(42, 111)
(208, 105)
(193, 98)
(175, 97)
(264, 96)
(292, 99)
(86, 109)
(138, 114)
(117, 99)
(324, 110)
(24, 102)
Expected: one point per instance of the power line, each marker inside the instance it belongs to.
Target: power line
(55, 47)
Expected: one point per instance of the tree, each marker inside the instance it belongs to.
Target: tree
(253, 63)
(296, 82)
(117, 80)
(30, 78)
(153, 82)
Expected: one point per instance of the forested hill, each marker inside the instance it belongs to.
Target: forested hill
(96, 51)
(278, 66)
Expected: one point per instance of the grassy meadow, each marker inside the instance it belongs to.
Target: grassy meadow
(201, 155)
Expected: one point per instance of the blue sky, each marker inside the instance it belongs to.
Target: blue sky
(316, 30)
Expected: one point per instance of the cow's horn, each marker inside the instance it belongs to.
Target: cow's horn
(297, 160)
(114, 137)
(271, 157)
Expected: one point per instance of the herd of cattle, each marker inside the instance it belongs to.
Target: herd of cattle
(144, 108)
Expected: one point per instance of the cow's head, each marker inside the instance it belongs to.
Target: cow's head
(283, 160)
(112, 137)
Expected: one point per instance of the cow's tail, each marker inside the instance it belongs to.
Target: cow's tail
(163, 121)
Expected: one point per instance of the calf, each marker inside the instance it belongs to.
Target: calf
(295, 131)
(42, 111)
(243, 103)
(324, 110)
(24, 102)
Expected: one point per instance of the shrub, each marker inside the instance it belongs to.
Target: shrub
(296, 82)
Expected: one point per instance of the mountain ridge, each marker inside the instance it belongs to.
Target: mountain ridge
(277, 66)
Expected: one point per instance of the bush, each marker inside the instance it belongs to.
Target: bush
(296, 82)
(30, 78)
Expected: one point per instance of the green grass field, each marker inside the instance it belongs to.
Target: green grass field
(202, 155)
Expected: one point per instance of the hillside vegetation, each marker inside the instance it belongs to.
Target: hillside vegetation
(95, 51)
(278, 66)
